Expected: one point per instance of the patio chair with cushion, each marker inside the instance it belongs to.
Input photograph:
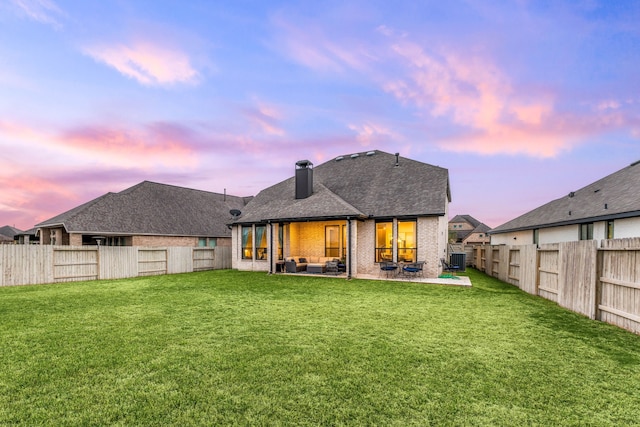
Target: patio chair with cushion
(449, 268)
(388, 268)
(413, 269)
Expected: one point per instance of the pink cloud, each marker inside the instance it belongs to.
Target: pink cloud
(476, 95)
(18, 131)
(157, 143)
(372, 133)
(147, 62)
(308, 45)
(266, 117)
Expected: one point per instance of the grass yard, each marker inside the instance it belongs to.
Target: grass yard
(229, 347)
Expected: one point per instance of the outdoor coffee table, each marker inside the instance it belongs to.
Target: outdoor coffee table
(316, 268)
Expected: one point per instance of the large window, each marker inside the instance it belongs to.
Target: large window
(261, 242)
(332, 241)
(384, 241)
(247, 242)
(407, 241)
(586, 231)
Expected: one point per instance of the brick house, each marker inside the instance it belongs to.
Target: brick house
(147, 214)
(467, 230)
(362, 208)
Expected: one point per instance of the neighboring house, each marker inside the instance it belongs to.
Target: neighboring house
(609, 208)
(7, 234)
(27, 237)
(147, 214)
(361, 208)
(467, 230)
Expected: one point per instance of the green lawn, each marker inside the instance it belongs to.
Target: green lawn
(228, 347)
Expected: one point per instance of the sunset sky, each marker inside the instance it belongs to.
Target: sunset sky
(523, 101)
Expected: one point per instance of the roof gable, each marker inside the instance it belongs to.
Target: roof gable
(366, 185)
(615, 195)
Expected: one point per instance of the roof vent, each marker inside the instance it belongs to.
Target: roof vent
(370, 153)
(354, 156)
(397, 159)
(339, 158)
(572, 194)
(635, 163)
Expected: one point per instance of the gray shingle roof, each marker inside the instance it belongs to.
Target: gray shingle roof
(369, 185)
(465, 218)
(150, 208)
(614, 196)
(9, 232)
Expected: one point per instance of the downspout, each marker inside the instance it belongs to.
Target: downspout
(270, 247)
(349, 248)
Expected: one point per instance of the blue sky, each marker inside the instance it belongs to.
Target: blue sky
(523, 101)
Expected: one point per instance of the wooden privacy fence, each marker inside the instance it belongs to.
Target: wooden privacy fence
(601, 281)
(33, 264)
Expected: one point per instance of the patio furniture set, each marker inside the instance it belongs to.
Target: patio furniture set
(313, 265)
(409, 269)
(412, 269)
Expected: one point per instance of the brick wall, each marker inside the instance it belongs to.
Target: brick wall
(75, 239)
(431, 245)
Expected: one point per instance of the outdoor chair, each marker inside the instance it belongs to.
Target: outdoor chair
(413, 269)
(449, 268)
(332, 267)
(388, 268)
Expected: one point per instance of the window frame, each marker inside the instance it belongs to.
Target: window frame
(332, 241)
(379, 250)
(246, 242)
(585, 231)
(403, 248)
(609, 230)
(260, 252)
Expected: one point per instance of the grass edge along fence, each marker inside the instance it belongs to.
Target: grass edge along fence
(598, 279)
(36, 264)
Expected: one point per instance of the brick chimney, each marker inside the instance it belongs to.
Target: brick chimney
(304, 179)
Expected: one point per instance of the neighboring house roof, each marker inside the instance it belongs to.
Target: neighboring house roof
(366, 185)
(465, 218)
(614, 196)
(29, 232)
(150, 208)
(461, 235)
(7, 233)
(481, 228)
